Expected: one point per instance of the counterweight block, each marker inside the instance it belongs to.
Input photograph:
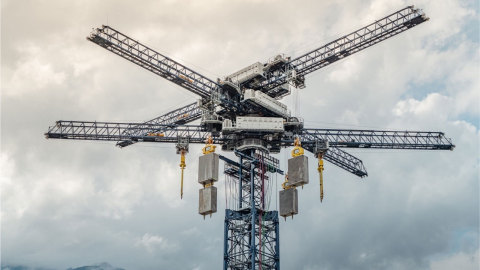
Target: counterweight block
(298, 171)
(288, 202)
(207, 200)
(208, 168)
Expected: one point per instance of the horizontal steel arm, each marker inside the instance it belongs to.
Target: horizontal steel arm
(106, 131)
(345, 161)
(354, 42)
(419, 140)
(180, 116)
(151, 60)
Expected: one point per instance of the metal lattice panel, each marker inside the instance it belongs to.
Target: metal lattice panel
(107, 131)
(153, 61)
(251, 232)
(347, 45)
(238, 249)
(423, 140)
(345, 161)
(183, 115)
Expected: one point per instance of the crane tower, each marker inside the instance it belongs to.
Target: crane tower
(243, 114)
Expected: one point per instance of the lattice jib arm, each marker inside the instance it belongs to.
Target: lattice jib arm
(354, 42)
(379, 139)
(108, 131)
(180, 116)
(345, 161)
(153, 61)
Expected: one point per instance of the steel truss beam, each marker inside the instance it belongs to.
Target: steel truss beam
(153, 61)
(419, 140)
(106, 131)
(345, 161)
(337, 138)
(180, 116)
(354, 42)
(111, 131)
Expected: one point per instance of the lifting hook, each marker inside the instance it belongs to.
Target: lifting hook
(285, 184)
(320, 171)
(209, 147)
(182, 149)
(297, 149)
(182, 167)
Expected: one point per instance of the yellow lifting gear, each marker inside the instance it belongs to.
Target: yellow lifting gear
(208, 185)
(209, 148)
(320, 171)
(182, 167)
(285, 184)
(297, 150)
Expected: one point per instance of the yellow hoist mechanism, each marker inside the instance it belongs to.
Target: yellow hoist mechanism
(182, 167)
(182, 149)
(320, 171)
(285, 184)
(209, 148)
(297, 149)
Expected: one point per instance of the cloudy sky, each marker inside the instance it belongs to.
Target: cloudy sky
(69, 203)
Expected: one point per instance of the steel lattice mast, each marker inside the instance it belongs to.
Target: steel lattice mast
(242, 114)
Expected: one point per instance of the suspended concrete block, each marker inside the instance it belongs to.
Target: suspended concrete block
(288, 202)
(207, 203)
(208, 168)
(298, 171)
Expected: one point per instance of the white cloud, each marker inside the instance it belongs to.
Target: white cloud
(153, 243)
(31, 74)
(457, 261)
(434, 103)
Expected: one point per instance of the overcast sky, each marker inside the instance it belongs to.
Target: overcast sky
(69, 203)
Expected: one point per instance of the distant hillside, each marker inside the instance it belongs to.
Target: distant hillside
(21, 267)
(102, 266)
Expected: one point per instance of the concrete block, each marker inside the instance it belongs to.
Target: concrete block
(298, 171)
(288, 202)
(207, 202)
(208, 168)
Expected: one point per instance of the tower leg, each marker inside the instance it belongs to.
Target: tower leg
(253, 216)
(238, 245)
(251, 233)
(225, 242)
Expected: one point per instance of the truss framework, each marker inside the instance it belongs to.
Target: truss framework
(424, 140)
(347, 45)
(337, 138)
(143, 56)
(180, 116)
(251, 233)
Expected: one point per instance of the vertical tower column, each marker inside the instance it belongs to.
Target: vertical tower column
(251, 232)
(253, 213)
